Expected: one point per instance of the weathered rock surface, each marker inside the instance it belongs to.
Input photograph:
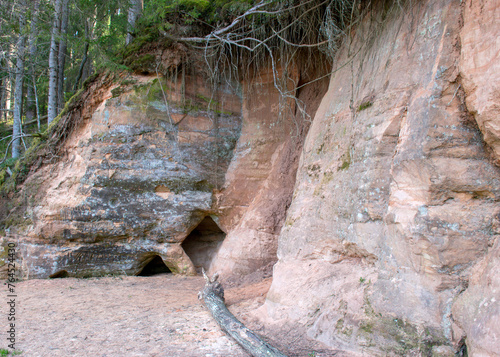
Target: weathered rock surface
(261, 177)
(480, 67)
(477, 310)
(396, 197)
(189, 181)
(384, 216)
(138, 177)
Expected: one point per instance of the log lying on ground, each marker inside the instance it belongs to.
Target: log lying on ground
(213, 295)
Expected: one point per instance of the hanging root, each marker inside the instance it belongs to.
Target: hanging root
(213, 296)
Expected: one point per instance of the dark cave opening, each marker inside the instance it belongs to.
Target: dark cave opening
(154, 267)
(203, 243)
(59, 274)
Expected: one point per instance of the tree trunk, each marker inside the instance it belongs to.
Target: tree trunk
(6, 105)
(37, 106)
(82, 66)
(30, 93)
(18, 88)
(134, 11)
(52, 96)
(62, 55)
(85, 56)
(213, 295)
(3, 94)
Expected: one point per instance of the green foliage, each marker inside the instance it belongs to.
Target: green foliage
(346, 160)
(5, 352)
(186, 11)
(143, 63)
(165, 15)
(365, 105)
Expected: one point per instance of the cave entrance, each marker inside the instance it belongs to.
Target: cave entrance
(203, 243)
(59, 274)
(154, 267)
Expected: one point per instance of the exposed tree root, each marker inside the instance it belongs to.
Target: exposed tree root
(213, 296)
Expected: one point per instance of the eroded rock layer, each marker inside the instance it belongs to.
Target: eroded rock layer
(397, 196)
(138, 177)
(171, 168)
(381, 208)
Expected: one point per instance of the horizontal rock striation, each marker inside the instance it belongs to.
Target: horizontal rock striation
(137, 178)
(381, 209)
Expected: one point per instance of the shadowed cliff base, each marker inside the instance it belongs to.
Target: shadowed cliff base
(203, 243)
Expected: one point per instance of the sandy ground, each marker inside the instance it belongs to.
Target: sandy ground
(135, 316)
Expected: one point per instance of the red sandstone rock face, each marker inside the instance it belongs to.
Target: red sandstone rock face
(261, 177)
(480, 67)
(138, 176)
(252, 235)
(140, 179)
(477, 310)
(390, 242)
(396, 198)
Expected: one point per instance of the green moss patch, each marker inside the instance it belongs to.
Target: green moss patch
(346, 161)
(407, 338)
(364, 105)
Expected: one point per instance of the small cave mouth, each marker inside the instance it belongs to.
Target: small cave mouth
(155, 266)
(59, 274)
(462, 349)
(203, 243)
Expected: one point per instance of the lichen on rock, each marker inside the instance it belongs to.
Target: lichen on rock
(100, 203)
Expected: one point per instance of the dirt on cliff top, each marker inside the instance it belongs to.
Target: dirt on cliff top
(137, 316)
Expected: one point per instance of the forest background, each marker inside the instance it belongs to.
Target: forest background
(51, 49)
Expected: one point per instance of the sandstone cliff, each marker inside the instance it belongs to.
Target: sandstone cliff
(381, 209)
(392, 235)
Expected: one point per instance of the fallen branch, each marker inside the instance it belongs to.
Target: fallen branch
(213, 296)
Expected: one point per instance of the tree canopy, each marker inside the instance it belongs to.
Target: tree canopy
(49, 48)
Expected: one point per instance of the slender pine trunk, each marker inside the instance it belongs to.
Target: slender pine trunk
(3, 82)
(8, 83)
(18, 88)
(82, 66)
(62, 54)
(30, 92)
(134, 11)
(53, 54)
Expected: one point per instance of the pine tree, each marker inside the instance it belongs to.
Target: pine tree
(32, 49)
(53, 69)
(18, 88)
(134, 11)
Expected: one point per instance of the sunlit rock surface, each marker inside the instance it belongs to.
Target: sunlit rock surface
(397, 195)
(138, 177)
(381, 210)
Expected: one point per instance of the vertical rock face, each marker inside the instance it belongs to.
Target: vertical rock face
(480, 67)
(169, 168)
(138, 177)
(396, 196)
(261, 177)
(477, 310)
(384, 215)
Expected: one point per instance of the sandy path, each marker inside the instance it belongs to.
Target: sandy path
(130, 316)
